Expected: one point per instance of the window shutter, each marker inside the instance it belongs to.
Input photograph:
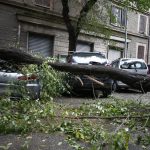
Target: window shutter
(142, 28)
(113, 16)
(141, 52)
(123, 21)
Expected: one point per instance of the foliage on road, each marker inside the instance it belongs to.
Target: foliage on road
(26, 116)
(116, 132)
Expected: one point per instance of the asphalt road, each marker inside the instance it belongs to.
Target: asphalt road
(40, 141)
(87, 98)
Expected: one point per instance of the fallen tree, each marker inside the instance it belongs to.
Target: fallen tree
(17, 56)
(134, 80)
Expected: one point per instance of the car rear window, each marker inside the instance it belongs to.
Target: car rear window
(4, 67)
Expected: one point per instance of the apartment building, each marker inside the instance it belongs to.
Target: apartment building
(38, 27)
(133, 32)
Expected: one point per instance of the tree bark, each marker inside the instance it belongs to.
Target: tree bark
(136, 81)
(71, 29)
(75, 28)
(17, 56)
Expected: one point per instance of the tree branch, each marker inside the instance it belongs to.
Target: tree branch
(103, 117)
(65, 13)
(134, 80)
(83, 14)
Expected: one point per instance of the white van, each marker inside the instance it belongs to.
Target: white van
(134, 65)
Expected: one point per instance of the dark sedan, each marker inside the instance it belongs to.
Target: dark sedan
(97, 84)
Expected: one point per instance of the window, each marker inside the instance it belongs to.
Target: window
(142, 24)
(141, 50)
(117, 16)
(45, 3)
(140, 65)
(134, 65)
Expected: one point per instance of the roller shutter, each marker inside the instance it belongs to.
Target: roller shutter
(40, 44)
(114, 54)
(84, 46)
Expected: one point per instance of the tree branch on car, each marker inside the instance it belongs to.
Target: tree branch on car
(136, 81)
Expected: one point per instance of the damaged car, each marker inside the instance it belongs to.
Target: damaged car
(98, 85)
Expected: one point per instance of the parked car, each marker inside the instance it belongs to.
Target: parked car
(15, 84)
(133, 65)
(83, 83)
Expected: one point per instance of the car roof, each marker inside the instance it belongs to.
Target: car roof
(127, 59)
(136, 59)
(88, 52)
(82, 52)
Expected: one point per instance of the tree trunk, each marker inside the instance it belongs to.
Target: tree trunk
(75, 28)
(134, 80)
(17, 56)
(72, 44)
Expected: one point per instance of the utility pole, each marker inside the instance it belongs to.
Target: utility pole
(126, 35)
(148, 49)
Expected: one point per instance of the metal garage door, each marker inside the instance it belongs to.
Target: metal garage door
(84, 46)
(114, 54)
(40, 44)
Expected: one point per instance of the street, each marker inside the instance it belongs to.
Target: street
(86, 98)
(57, 140)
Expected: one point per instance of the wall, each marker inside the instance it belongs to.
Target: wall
(54, 26)
(133, 22)
(8, 26)
(15, 26)
(132, 47)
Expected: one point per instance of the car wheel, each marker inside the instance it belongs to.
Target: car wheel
(97, 93)
(114, 87)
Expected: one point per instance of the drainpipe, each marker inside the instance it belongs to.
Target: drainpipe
(18, 38)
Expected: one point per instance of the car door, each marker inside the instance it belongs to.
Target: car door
(137, 67)
(3, 81)
(7, 76)
(141, 68)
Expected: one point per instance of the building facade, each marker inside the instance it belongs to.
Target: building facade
(37, 26)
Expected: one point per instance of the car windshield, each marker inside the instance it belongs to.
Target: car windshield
(7, 67)
(86, 58)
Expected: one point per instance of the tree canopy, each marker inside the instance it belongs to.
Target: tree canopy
(102, 7)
